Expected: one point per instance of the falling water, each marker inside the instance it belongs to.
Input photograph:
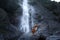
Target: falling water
(32, 11)
(25, 17)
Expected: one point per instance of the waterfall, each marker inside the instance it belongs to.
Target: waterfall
(32, 11)
(25, 17)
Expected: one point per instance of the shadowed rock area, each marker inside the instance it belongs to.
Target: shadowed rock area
(8, 19)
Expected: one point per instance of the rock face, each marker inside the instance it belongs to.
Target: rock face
(7, 30)
(9, 20)
(3, 23)
(3, 18)
(10, 12)
(47, 17)
(11, 7)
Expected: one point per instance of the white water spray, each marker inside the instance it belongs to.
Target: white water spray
(32, 11)
(25, 17)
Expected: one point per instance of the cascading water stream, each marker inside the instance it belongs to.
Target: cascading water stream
(25, 17)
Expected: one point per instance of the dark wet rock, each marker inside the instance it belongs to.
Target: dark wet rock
(1, 37)
(10, 32)
(44, 15)
(53, 27)
(10, 13)
(7, 30)
(42, 37)
(9, 5)
(16, 18)
(12, 8)
(3, 18)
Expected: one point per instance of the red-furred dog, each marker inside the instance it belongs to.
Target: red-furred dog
(34, 28)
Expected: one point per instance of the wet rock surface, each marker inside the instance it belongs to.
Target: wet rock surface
(48, 21)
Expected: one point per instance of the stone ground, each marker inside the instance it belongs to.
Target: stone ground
(29, 36)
